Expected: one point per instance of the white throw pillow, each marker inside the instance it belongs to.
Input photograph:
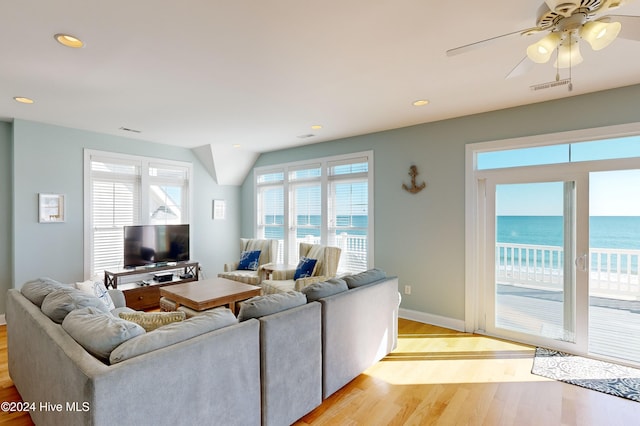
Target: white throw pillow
(97, 288)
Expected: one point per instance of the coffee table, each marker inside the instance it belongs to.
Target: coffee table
(206, 294)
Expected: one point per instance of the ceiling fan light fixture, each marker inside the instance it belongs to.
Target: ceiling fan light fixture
(568, 56)
(541, 51)
(600, 34)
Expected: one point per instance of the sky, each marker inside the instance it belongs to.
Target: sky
(614, 193)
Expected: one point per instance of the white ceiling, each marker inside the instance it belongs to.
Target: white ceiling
(211, 73)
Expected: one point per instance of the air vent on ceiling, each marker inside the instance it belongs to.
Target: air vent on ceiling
(552, 84)
(308, 135)
(126, 129)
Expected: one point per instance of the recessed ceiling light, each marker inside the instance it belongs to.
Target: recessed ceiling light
(421, 102)
(23, 100)
(316, 127)
(69, 40)
(236, 145)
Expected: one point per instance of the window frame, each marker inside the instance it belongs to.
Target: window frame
(325, 180)
(475, 190)
(144, 182)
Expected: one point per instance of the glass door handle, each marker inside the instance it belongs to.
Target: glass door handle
(581, 262)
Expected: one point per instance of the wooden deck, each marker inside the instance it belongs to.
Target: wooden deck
(614, 325)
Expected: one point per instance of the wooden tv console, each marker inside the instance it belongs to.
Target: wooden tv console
(141, 292)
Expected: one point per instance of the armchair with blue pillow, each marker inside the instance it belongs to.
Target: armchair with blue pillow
(316, 263)
(254, 253)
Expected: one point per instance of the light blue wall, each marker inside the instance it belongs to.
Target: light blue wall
(421, 237)
(6, 234)
(50, 159)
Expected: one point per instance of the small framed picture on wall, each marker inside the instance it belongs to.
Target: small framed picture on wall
(51, 208)
(218, 209)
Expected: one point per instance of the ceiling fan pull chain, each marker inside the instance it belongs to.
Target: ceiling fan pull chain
(570, 87)
(557, 65)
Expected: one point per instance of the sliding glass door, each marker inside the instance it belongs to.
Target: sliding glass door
(553, 243)
(562, 250)
(534, 251)
(614, 247)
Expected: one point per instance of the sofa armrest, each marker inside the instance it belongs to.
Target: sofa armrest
(362, 322)
(291, 361)
(287, 274)
(307, 281)
(228, 267)
(118, 298)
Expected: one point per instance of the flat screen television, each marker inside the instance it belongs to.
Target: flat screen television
(152, 244)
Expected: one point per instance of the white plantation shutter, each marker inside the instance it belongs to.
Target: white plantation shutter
(349, 211)
(115, 202)
(305, 207)
(270, 208)
(121, 188)
(325, 201)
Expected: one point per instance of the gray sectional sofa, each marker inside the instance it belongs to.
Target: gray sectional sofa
(215, 375)
(270, 367)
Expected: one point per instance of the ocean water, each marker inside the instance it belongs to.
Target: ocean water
(354, 224)
(622, 232)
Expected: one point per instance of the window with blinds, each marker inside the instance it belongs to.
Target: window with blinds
(348, 218)
(127, 190)
(324, 201)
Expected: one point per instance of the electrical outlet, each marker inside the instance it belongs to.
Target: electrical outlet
(407, 289)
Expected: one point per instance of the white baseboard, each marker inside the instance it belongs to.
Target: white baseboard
(453, 324)
(3, 320)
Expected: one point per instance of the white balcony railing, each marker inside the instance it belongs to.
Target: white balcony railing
(613, 273)
(353, 257)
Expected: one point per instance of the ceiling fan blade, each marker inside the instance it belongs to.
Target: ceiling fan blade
(482, 43)
(523, 67)
(630, 25)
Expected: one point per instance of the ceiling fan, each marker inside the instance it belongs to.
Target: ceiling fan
(566, 22)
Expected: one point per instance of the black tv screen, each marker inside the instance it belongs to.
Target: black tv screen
(151, 244)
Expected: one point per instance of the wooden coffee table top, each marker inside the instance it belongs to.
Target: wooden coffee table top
(206, 294)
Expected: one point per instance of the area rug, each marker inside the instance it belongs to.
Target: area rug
(592, 374)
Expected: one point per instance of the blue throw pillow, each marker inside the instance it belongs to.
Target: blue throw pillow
(305, 268)
(249, 260)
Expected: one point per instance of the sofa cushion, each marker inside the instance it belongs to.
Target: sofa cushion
(98, 331)
(245, 276)
(98, 289)
(364, 278)
(152, 320)
(305, 267)
(277, 286)
(260, 306)
(38, 289)
(174, 333)
(57, 304)
(323, 289)
(249, 260)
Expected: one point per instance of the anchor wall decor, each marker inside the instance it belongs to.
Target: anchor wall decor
(414, 189)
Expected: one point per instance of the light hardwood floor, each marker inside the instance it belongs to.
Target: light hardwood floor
(441, 377)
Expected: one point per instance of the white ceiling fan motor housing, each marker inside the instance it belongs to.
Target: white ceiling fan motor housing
(563, 7)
